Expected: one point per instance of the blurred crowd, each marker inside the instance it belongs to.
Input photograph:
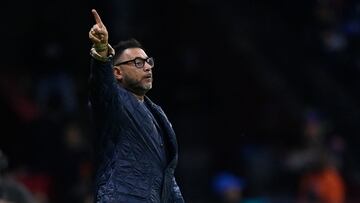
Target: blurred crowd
(302, 149)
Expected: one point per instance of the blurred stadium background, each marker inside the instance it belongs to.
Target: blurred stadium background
(263, 95)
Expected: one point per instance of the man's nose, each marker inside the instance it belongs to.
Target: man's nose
(147, 67)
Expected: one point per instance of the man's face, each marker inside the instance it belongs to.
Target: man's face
(136, 79)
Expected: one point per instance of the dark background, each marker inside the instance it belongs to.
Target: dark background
(238, 80)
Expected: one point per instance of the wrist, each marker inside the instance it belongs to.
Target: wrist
(104, 55)
(101, 47)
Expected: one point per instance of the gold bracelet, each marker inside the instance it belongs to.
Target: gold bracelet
(101, 47)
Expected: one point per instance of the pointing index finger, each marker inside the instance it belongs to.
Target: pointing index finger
(97, 17)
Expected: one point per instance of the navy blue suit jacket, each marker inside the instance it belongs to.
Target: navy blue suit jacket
(129, 168)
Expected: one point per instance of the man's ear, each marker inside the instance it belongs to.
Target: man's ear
(118, 73)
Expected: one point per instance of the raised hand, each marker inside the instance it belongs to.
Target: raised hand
(98, 34)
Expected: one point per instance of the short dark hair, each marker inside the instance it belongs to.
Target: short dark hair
(125, 44)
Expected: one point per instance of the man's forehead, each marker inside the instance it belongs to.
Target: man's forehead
(132, 53)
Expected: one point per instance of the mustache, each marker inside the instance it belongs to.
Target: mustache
(149, 75)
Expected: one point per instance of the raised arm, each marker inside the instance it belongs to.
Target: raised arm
(102, 83)
(99, 36)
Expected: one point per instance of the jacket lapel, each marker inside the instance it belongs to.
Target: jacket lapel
(143, 121)
(166, 126)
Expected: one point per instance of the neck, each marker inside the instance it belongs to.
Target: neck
(139, 97)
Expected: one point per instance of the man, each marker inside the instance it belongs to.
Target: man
(136, 145)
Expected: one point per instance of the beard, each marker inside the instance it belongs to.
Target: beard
(136, 86)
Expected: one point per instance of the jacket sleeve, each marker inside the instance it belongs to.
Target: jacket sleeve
(176, 193)
(104, 88)
(105, 101)
(101, 81)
